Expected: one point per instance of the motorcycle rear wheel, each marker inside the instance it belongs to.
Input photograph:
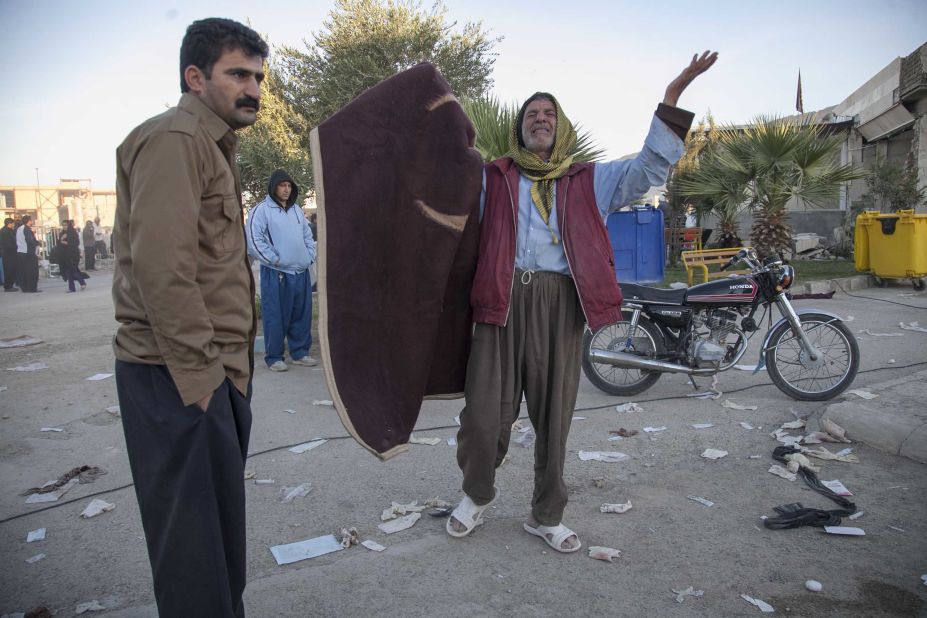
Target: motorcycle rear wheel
(613, 337)
(799, 377)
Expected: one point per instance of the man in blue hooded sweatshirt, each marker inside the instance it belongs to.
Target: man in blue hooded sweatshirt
(279, 237)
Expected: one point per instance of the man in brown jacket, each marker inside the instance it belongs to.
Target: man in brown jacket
(184, 294)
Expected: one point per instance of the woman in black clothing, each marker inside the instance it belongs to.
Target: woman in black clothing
(69, 257)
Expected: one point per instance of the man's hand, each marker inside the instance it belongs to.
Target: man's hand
(698, 66)
(204, 402)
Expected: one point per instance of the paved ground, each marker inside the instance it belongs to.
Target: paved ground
(668, 542)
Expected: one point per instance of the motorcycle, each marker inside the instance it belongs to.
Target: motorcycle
(810, 354)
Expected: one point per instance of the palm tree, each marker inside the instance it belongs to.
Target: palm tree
(493, 121)
(763, 167)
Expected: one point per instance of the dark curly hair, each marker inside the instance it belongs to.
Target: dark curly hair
(207, 39)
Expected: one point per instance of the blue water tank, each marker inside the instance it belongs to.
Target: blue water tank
(638, 244)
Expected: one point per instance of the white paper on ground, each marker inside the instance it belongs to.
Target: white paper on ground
(306, 446)
(89, 606)
(913, 326)
(55, 429)
(607, 554)
(114, 410)
(845, 530)
(424, 441)
(35, 558)
(30, 367)
(524, 438)
(713, 453)
(615, 508)
(629, 407)
(372, 545)
(844, 452)
(701, 500)
(35, 535)
(452, 441)
(96, 507)
(323, 402)
(856, 515)
(265, 482)
(746, 425)
(702, 425)
(872, 334)
(727, 403)
(288, 494)
(924, 578)
(303, 550)
(763, 605)
(606, 456)
(457, 419)
(654, 429)
(99, 376)
(782, 472)
(398, 509)
(688, 592)
(615, 438)
(579, 418)
(23, 341)
(796, 424)
(400, 524)
(288, 411)
(52, 496)
(837, 487)
(861, 393)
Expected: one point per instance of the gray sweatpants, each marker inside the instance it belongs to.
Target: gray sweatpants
(537, 353)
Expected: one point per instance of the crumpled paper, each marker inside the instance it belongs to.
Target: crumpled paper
(604, 553)
(96, 507)
(763, 605)
(398, 509)
(349, 537)
(398, 525)
(606, 456)
(912, 326)
(616, 508)
(288, 494)
(861, 393)
(727, 403)
(837, 433)
(823, 453)
(629, 407)
(713, 453)
(782, 472)
(89, 606)
(797, 460)
(425, 441)
(688, 592)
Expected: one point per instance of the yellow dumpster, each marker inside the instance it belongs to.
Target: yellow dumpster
(892, 245)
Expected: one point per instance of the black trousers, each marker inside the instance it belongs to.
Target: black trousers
(9, 271)
(27, 271)
(90, 262)
(188, 468)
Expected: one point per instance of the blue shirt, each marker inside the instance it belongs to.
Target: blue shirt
(616, 184)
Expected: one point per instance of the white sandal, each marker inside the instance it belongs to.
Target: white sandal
(469, 514)
(555, 536)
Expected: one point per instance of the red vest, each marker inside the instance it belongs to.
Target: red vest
(583, 234)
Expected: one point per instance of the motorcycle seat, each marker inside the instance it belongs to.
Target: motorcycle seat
(645, 294)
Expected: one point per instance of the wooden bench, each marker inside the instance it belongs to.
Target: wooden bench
(684, 238)
(701, 260)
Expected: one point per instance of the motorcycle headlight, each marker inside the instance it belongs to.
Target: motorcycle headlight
(785, 278)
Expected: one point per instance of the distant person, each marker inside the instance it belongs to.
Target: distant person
(184, 298)
(27, 262)
(69, 257)
(312, 226)
(89, 246)
(279, 237)
(99, 239)
(8, 251)
(691, 217)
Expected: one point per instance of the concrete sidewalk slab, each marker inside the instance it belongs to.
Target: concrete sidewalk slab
(895, 422)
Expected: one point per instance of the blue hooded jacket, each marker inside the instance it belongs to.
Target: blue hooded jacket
(278, 235)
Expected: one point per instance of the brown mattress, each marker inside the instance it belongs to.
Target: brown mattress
(398, 184)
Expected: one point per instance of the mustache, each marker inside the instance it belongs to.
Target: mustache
(248, 102)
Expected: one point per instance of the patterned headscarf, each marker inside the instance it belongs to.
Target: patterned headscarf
(543, 173)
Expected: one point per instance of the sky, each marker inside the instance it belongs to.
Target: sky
(81, 75)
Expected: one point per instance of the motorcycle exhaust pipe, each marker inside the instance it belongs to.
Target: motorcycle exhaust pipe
(632, 361)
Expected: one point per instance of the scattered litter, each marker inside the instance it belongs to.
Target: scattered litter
(822, 453)
(30, 367)
(524, 438)
(813, 585)
(713, 453)
(781, 435)
(457, 419)
(754, 456)
(616, 508)
(688, 592)
(872, 334)
(606, 456)
(348, 537)
(3, 388)
(709, 394)
(701, 500)
(797, 460)
(678, 285)
(654, 429)
(307, 446)
(114, 410)
(845, 530)
(19, 342)
(614, 438)
(397, 509)
(702, 425)
(35, 558)
(265, 482)
(288, 494)
(835, 431)
(621, 432)
(746, 426)
(811, 438)
(763, 605)
(288, 411)
(55, 429)
(897, 528)
(849, 318)
(452, 441)
(323, 402)
(629, 407)
(303, 550)
(426, 441)
(35, 535)
(856, 515)
(99, 376)
(437, 503)
(844, 452)
(51, 496)
(97, 507)
(604, 553)
(861, 393)
(913, 326)
(782, 472)
(736, 406)
(89, 606)
(892, 361)
(579, 418)
(249, 474)
(924, 578)
(521, 426)
(372, 545)
(400, 524)
(796, 424)
(439, 508)
(80, 474)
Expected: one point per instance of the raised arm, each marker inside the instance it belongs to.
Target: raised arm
(699, 65)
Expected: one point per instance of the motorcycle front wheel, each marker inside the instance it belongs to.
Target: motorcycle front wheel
(799, 376)
(645, 340)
